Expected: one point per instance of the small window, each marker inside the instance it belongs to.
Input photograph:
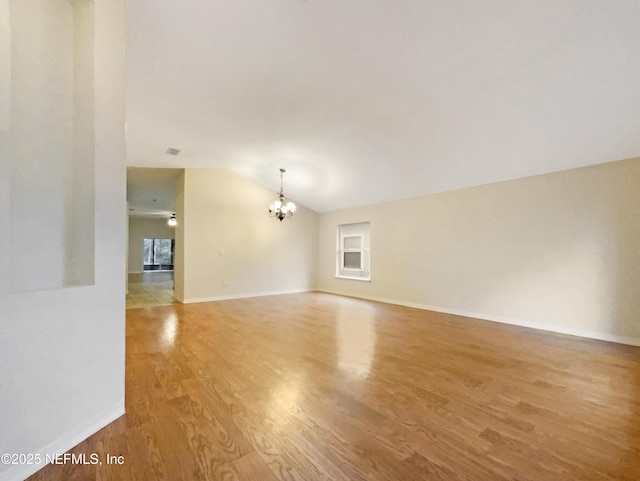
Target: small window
(352, 258)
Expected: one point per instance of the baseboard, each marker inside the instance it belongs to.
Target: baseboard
(242, 296)
(65, 443)
(588, 334)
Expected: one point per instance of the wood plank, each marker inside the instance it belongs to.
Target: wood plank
(286, 388)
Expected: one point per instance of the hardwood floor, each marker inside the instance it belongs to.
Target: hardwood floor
(315, 386)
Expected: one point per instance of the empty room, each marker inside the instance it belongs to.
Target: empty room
(319, 240)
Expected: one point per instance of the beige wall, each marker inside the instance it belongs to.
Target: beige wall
(178, 255)
(62, 347)
(559, 251)
(141, 228)
(231, 247)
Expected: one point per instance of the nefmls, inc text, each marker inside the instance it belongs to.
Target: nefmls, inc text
(83, 458)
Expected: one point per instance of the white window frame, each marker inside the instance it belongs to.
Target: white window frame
(363, 273)
(344, 250)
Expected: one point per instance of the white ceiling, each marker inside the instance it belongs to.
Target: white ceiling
(364, 101)
(151, 192)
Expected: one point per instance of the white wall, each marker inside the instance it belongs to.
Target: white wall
(42, 70)
(228, 237)
(51, 67)
(141, 228)
(559, 251)
(80, 235)
(62, 348)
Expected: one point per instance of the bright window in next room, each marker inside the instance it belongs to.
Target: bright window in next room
(353, 253)
(158, 254)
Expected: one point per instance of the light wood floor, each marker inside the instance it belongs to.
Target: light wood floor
(314, 386)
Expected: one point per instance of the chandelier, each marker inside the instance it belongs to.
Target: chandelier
(281, 208)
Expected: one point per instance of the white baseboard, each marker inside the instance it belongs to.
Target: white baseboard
(601, 336)
(65, 443)
(241, 296)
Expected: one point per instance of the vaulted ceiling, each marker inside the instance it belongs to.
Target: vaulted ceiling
(364, 101)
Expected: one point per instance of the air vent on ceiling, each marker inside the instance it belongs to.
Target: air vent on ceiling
(172, 151)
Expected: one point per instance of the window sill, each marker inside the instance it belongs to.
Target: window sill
(365, 279)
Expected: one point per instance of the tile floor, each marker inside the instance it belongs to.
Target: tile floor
(150, 290)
